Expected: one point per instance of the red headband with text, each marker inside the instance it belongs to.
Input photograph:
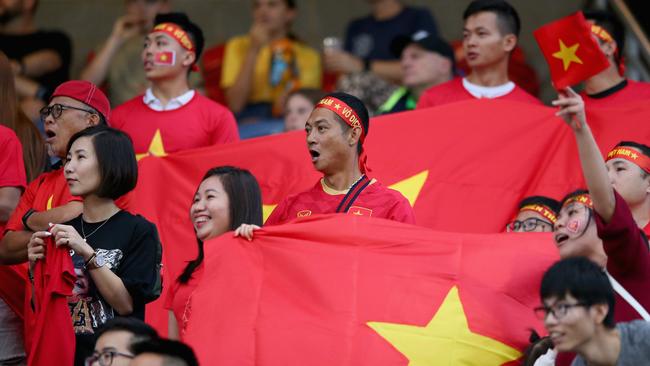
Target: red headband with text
(584, 199)
(347, 114)
(631, 155)
(542, 210)
(602, 34)
(177, 33)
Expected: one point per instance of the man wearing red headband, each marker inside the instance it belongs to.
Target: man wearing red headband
(536, 214)
(610, 87)
(625, 176)
(170, 116)
(74, 106)
(336, 130)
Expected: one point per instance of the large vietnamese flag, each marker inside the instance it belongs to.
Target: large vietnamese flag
(343, 290)
(463, 166)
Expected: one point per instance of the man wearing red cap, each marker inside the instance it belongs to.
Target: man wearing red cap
(74, 106)
(336, 131)
(610, 87)
(490, 35)
(170, 116)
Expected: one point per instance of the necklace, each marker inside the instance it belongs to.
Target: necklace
(83, 232)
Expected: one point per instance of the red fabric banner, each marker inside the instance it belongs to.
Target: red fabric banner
(570, 51)
(343, 290)
(463, 166)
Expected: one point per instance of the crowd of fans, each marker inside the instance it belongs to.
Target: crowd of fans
(393, 60)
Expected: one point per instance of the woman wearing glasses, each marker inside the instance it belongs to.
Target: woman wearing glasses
(226, 198)
(116, 255)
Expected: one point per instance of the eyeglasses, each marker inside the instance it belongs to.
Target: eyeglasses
(528, 225)
(559, 311)
(105, 358)
(57, 109)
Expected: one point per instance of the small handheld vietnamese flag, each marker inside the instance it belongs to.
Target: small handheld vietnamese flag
(570, 51)
(167, 58)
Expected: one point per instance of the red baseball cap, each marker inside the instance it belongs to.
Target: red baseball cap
(87, 93)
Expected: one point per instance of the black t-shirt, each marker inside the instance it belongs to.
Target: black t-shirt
(131, 247)
(16, 47)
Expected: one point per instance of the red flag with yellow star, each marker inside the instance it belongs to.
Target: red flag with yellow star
(571, 52)
(346, 290)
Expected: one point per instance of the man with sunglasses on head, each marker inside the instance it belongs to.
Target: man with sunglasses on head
(536, 214)
(74, 106)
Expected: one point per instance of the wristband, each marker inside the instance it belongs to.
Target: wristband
(26, 216)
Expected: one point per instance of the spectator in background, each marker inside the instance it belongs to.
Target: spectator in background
(298, 107)
(263, 66)
(171, 51)
(490, 34)
(116, 255)
(368, 39)
(40, 59)
(114, 340)
(578, 313)
(610, 87)
(426, 61)
(117, 64)
(34, 153)
(536, 214)
(163, 352)
(226, 198)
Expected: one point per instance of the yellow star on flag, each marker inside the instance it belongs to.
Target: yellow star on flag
(156, 147)
(568, 55)
(445, 340)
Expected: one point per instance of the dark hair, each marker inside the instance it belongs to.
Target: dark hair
(612, 25)
(190, 28)
(359, 108)
(168, 349)
(582, 279)
(244, 198)
(141, 331)
(554, 205)
(507, 17)
(118, 168)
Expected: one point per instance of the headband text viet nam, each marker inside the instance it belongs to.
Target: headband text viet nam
(542, 210)
(584, 199)
(631, 155)
(347, 114)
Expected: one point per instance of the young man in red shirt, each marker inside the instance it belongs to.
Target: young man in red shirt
(74, 105)
(336, 131)
(170, 116)
(610, 87)
(489, 36)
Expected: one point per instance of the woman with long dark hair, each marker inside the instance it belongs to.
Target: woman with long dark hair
(226, 198)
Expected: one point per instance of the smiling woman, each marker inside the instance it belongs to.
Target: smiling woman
(116, 255)
(226, 198)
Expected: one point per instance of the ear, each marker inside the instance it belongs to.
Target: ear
(599, 312)
(355, 135)
(188, 58)
(509, 42)
(93, 120)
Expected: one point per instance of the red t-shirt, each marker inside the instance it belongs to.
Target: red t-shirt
(633, 91)
(374, 201)
(454, 91)
(199, 123)
(49, 326)
(178, 299)
(48, 190)
(628, 259)
(12, 169)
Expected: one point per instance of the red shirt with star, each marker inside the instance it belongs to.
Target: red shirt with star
(630, 92)
(199, 123)
(374, 201)
(454, 91)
